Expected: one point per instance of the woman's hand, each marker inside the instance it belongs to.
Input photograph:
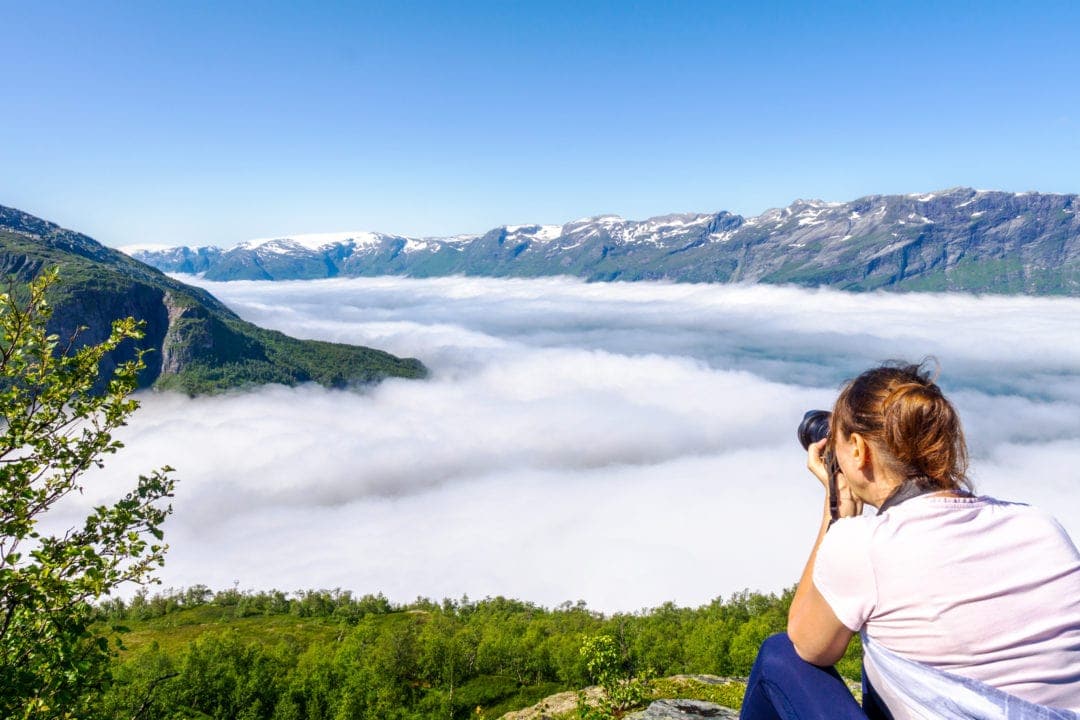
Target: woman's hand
(849, 505)
(815, 461)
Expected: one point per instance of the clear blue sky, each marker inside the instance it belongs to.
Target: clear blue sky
(216, 122)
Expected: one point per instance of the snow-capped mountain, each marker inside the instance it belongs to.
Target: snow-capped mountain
(958, 239)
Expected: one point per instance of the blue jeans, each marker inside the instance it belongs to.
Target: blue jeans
(783, 686)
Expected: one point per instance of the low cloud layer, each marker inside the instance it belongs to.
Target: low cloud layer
(624, 444)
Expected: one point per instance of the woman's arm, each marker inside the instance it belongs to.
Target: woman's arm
(818, 636)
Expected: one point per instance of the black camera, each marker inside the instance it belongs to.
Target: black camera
(814, 428)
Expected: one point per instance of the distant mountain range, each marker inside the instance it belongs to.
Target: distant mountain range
(954, 240)
(197, 344)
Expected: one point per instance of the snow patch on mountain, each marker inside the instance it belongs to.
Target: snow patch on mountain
(452, 239)
(313, 241)
(147, 248)
(596, 220)
(544, 233)
(810, 217)
(657, 230)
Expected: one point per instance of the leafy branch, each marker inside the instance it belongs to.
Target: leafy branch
(55, 424)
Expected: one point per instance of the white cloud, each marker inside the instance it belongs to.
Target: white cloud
(624, 444)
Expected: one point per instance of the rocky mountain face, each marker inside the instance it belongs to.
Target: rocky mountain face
(955, 240)
(195, 343)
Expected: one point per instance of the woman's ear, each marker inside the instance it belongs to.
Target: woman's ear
(860, 450)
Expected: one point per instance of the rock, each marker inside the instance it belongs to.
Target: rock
(553, 705)
(684, 710)
(708, 679)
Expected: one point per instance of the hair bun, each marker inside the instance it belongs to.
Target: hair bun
(919, 425)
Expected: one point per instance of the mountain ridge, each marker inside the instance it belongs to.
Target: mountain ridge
(198, 345)
(958, 239)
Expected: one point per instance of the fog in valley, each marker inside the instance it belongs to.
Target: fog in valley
(624, 444)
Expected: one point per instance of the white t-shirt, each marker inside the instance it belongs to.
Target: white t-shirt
(981, 588)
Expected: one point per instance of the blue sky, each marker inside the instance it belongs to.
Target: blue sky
(214, 122)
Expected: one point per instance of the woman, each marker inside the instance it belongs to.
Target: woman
(968, 606)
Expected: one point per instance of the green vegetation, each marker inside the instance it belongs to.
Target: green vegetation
(329, 654)
(620, 691)
(1009, 275)
(253, 356)
(56, 422)
(1004, 275)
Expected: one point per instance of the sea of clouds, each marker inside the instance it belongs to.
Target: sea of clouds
(621, 443)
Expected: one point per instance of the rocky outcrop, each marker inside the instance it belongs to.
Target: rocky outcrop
(177, 350)
(562, 705)
(554, 705)
(684, 710)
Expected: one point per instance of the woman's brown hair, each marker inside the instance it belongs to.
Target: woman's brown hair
(899, 408)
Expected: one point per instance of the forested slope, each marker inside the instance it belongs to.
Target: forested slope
(319, 655)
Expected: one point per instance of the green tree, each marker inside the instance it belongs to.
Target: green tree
(224, 676)
(620, 691)
(56, 422)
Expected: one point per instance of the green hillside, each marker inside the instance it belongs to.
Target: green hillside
(197, 344)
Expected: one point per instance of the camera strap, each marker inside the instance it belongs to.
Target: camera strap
(834, 499)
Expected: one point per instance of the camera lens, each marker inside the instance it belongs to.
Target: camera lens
(814, 427)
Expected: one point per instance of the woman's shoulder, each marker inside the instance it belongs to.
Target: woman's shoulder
(1028, 517)
(943, 516)
(962, 505)
(853, 529)
(1021, 511)
(997, 522)
(938, 513)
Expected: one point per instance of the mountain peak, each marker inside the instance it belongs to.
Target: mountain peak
(607, 219)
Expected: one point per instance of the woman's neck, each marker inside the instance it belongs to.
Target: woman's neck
(880, 485)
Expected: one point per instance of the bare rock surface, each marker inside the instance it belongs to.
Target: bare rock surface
(553, 705)
(684, 710)
(564, 703)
